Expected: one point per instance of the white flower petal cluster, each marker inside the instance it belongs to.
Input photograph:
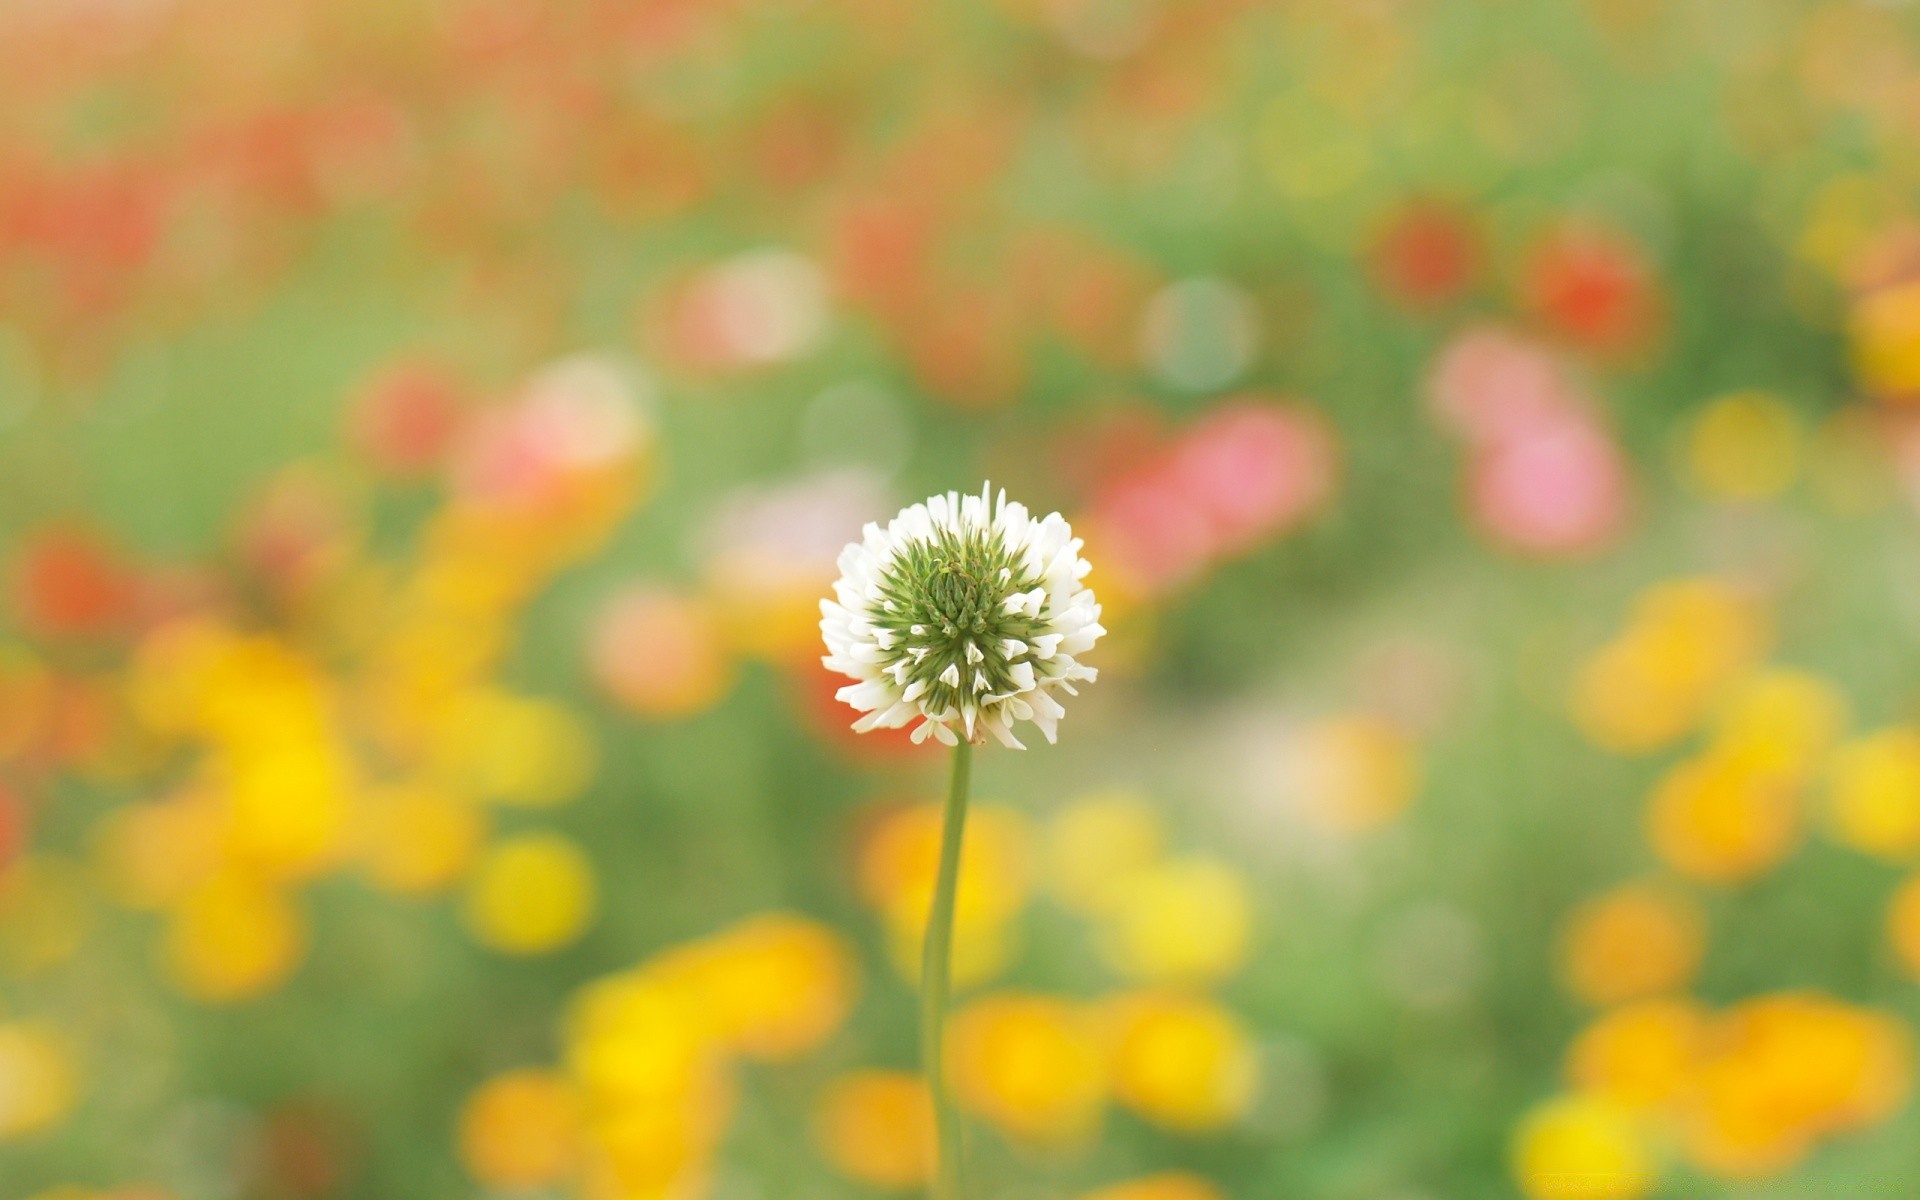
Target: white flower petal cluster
(965, 613)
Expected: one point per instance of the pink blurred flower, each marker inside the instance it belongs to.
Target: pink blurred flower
(1248, 471)
(659, 652)
(1490, 381)
(1146, 530)
(1254, 468)
(768, 553)
(759, 308)
(1558, 487)
(578, 415)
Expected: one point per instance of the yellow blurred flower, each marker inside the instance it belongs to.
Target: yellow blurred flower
(1782, 721)
(172, 670)
(1096, 844)
(288, 805)
(1711, 628)
(656, 1151)
(511, 749)
(232, 938)
(1031, 1065)
(1175, 1185)
(898, 859)
(775, 624)
(261, 691)
(1884, 332)
(149, 854)
(1844, 216)
(1638, 940)
(26, 698)
(416, 841)
(39, 1084)
(652, 1049)
(1685, 641)
(983, 947)
(1184, 920)
(876, 1127)
(521, 1130)
(1355, 773)
(1722, 818)
(1619, 701)
(639, 1039)
(773, 986)
(1873, 793)
(1903, 924)
(1640, 1055)
(418, 674)
(1581, 1148)
(661, 1096)
(1743, 446)
(1180, 1061)
(529, 894)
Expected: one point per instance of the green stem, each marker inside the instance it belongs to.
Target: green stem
(935, 968)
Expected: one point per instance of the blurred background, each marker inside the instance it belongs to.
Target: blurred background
(426, 431)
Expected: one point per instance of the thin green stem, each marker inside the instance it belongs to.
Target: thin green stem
(935, 969)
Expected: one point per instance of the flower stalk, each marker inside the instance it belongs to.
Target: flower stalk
(961, 617)
(936, 968)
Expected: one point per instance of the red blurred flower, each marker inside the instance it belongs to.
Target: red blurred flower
(407, 419)
(69, 580)
(881, 250)
(1593, 286)
(307, 1149)
(14, 824)
(1425, 254)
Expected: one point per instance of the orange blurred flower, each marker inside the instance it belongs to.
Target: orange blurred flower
(876, 1127)
(1029, 1064)
(521, 1131)
(1638, 940)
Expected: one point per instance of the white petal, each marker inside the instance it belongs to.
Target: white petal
(1002, 729)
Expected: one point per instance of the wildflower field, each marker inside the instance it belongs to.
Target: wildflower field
(429, 431)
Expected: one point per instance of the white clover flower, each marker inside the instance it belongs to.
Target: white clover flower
(962, 611)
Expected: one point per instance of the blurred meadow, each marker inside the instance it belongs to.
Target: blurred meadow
(427, 431)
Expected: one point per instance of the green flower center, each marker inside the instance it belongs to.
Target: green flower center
(945, 608)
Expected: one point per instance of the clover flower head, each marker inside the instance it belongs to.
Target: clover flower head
(965, 612)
